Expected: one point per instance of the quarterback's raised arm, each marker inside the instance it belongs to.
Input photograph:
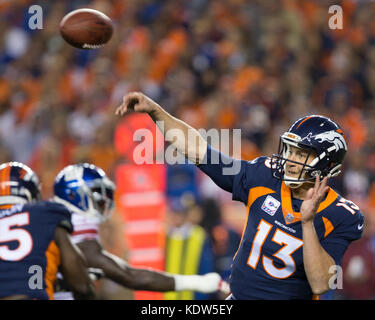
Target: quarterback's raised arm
(187, 140)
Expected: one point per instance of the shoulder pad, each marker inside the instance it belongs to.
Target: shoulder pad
(62, 214)
(347, 217)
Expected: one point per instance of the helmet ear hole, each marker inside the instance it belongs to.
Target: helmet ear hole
(71, 195)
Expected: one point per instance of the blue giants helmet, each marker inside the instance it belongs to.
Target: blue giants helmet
(86, 189)
(316, 134)
(18, 184)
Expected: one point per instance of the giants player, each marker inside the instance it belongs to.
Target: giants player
(88, 193)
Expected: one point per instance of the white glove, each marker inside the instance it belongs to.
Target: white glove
(208, 283)
(95, 273)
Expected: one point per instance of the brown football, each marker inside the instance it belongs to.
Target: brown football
(86, 28)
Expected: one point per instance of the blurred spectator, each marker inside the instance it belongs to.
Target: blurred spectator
(356, 180)
(188, 247)
(182, 180)
(359, 266)
(225, 240)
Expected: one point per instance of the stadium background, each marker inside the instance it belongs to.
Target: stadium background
(255, 65)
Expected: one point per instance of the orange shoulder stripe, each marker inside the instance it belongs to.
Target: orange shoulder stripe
(255, 193)
(331, 197)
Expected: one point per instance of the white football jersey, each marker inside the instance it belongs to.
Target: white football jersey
(84, 227)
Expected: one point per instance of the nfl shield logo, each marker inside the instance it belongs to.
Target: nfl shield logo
(270, 205)
(289, 217)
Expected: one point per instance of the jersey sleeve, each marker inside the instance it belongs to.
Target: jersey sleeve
(61, 214)
(233, 175)
(350, 229)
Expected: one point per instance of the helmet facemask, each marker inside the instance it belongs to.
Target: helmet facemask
(102, 196)
(279, 162)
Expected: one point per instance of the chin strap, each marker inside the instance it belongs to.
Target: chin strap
(294, 183)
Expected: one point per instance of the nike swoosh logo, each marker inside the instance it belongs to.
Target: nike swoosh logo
(360, 226)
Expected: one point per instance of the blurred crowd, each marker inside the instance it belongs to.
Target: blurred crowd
(256, 65)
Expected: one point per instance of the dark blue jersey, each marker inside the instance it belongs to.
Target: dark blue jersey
(269, 260)
(28, 250)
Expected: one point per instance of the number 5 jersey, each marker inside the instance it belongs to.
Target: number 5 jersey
(29, 256)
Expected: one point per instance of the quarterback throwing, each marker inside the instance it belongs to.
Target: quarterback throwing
(297, 227)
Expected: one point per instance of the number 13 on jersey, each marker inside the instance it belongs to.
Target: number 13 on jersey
(290, 244)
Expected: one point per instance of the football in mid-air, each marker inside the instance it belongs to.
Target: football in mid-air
(86, 28)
